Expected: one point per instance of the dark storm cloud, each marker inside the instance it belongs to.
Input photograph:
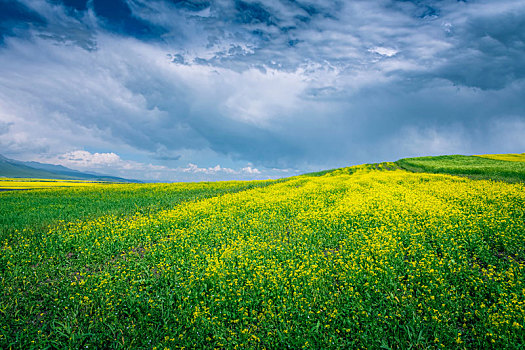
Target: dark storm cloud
(490, 52)
(192, 5)
(419, 8)
(77, 5)
(293, 84)
(4, 127)
(117, 16)
(15, 16)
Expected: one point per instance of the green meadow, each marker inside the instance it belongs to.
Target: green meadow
(475, 167)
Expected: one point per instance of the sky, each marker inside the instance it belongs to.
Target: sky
(193, 90)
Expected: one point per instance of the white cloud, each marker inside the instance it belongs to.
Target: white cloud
(87, 161)
(384, 51)
(112, 164)
(250, 170)
(192, 168)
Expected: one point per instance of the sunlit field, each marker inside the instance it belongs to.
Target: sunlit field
(26, 184)
(361, 257)
(512, 157)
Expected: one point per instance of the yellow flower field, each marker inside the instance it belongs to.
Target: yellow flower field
(26, 184)
(512, 157)
(357, 258)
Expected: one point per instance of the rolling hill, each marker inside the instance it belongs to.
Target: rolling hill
(403, 255)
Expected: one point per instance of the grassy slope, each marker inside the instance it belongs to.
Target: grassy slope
(358, 258)
(471, 166)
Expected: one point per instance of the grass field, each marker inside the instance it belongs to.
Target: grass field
(363, 257)
(493, 167)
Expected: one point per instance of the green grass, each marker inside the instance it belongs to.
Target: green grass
(471, 166)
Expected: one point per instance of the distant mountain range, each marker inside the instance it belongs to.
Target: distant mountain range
(19, 169)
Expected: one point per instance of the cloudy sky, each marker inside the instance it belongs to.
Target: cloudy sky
(181, 90)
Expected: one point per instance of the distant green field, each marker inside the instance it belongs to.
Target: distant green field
(475, 167)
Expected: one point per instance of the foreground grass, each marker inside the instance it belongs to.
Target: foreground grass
(475, 167)
(355, 258)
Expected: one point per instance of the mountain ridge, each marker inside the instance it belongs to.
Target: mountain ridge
(19, 169)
